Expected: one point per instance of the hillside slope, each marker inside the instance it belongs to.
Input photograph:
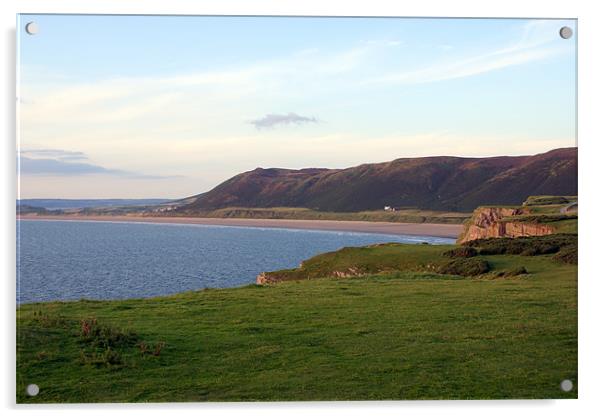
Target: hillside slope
(436, 183)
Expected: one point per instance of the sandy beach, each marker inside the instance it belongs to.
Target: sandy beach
(392, 228)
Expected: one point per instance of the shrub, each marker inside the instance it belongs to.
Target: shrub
(546, 200)
(464, 267)
(517, 271)
(545, 218)
(463, 252)
(108, 357)
(529, 246)
(146, 348)
(158, 347)
(541, 249)
(111, 357)
(105, 336)
(86, 326)
(49, 321)
(567, 255)
(104, 345)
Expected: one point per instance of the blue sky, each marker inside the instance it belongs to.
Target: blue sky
(144, 106)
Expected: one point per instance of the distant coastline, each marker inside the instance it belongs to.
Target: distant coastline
(391, 228)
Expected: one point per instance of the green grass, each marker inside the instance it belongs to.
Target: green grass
(549, 200)
(545, 209)
(368, 260)
(405, 215)
(395, 335)
(568, 226)
(402, 215)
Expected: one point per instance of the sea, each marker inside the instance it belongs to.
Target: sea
(73, 260)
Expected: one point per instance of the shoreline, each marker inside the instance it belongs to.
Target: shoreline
(388, 228)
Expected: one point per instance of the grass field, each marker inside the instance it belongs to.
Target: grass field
(403, 334)
(407, 215)
(401, 215)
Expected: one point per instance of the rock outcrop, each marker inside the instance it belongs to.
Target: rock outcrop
(262, 278)
(275, 277)
(493, 222)
(270, 277)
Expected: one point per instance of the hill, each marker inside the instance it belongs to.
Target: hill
(54, 204)
(430, 183)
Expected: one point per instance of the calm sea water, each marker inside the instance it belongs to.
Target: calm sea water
(69, 260)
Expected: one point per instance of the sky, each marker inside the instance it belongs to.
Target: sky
(171, 106)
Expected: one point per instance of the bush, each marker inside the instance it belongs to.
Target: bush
(464, 267)
(50, 321)
(545, 218)
(463, 252)
(567, 255)
(517, 271)
(529, 246)
(546, 200)
(148, 349)
(108, 357)
(105, 336)
(541, 249)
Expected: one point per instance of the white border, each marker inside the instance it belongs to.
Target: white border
(590, 277)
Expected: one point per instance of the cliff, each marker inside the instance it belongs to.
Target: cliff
(275, 276)
(497, 222)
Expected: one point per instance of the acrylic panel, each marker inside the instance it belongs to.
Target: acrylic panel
(247, 208)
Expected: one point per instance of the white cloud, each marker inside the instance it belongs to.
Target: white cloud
(535, 44)
(271, 120)
(58, 154)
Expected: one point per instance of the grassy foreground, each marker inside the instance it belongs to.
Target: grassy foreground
(391, 335)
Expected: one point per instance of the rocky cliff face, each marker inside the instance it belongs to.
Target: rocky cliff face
(488, 222)
(274, 277)
(261, 278)
(270, 277)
